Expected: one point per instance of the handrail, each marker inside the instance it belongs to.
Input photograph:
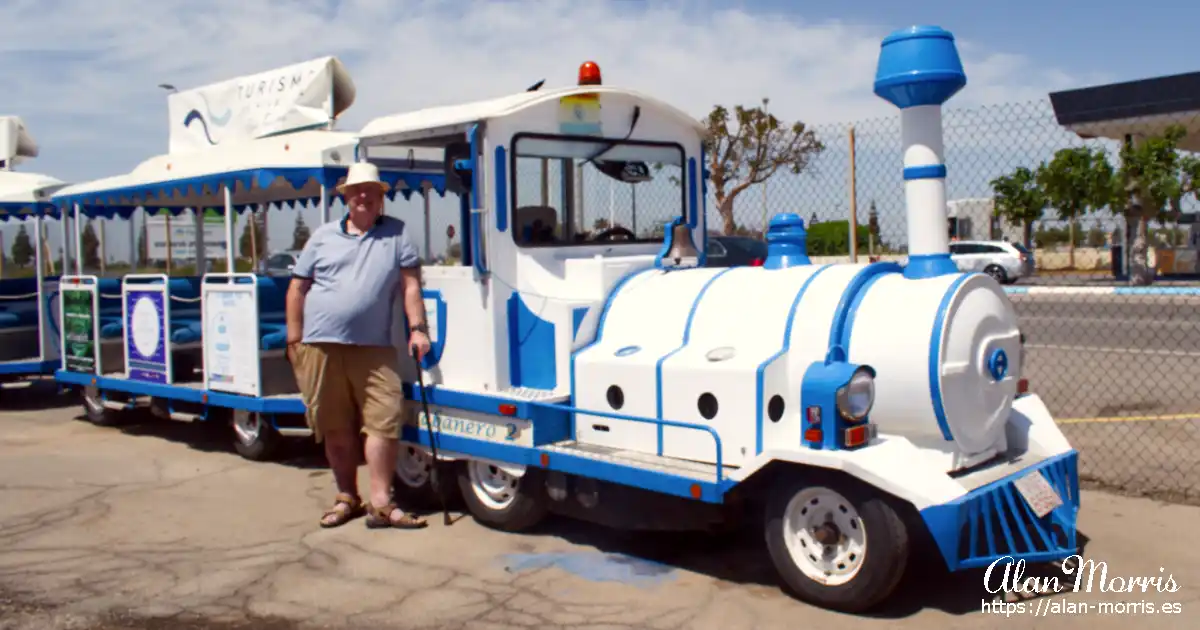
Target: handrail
(668, 423)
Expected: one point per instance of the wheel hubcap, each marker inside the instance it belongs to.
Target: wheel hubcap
(495, 488)
(825, 536)
(413, 466)
(247, 426)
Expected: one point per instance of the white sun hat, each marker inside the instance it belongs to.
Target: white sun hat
(362, 173)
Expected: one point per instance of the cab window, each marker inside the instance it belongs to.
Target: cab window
(578, 190)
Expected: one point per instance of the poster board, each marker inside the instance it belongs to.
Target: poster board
(50, 314)
(80, 317)
(231, 338)
(146, 310)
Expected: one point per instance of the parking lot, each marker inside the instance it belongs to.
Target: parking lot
(157, 526)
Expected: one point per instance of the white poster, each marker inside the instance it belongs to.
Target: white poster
(304, 95)
(231, 339)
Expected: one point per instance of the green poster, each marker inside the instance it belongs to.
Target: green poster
(79, 331)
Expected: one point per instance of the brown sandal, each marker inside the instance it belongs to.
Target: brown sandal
(354, 509)
(381, 518)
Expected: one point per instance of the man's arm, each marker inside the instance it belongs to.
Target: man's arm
(297, 291)
(302, 275)
(414, 303)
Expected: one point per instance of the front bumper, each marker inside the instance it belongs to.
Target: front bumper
(994, 522)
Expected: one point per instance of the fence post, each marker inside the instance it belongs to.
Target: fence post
(853, 202)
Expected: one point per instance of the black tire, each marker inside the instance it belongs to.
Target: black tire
(255, 445)
(528, 505)
(997, 272)
(413, 494)
(884, 554)
(95, 411)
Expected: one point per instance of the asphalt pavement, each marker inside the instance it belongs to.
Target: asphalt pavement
(158, 526)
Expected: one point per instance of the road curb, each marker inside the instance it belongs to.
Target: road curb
(1184, 291)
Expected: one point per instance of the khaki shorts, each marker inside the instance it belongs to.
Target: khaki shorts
(350, 389)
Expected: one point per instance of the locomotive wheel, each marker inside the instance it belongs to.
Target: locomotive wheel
(501, 501)
(412, 487)
(836, 543)
(96, 412)
(253, 437)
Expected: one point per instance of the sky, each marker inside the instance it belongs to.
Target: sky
(84, 75)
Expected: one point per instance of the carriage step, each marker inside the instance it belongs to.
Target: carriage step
(294, 431)
(532, 395)
(667, 465)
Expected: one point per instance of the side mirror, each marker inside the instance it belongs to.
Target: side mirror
(456, 161)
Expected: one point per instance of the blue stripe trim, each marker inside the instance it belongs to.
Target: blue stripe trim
(693, 210)
(852, 313)
(935, 351)
(929, 171)
(760, 373)
(687, 333)
(501, 190)
(842, 315)
(612, 295)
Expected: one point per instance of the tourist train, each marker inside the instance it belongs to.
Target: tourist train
(590, 369)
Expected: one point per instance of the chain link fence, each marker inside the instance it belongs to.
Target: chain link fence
(1119, 371)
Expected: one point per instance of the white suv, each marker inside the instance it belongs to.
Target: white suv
(1004, 261)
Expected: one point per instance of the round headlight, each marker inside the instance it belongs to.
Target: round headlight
(855, 399)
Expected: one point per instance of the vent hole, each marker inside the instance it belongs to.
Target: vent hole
(707, 405)
(775, 408)
(616, 397)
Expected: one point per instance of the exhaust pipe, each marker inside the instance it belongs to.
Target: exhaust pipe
(919, 70)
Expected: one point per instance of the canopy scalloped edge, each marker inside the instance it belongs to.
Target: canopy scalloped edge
(173, 195)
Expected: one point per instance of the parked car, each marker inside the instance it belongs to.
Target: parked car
(735, 251)
(279, 264)
(1006, 262)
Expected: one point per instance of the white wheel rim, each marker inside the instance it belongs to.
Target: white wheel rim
(814, 518)
(495, 488)
(247, 426)
(413, 466)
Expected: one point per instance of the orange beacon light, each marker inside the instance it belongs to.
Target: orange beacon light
(589, 73)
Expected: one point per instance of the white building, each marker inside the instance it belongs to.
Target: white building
(973, 220)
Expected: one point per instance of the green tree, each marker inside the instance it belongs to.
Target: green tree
(91, 246)
(748, 146)
(1075, 182)
(828, 238)
(22, 248)
(245, 246)
(300, 233)
(1019, 200)
(1149, 185)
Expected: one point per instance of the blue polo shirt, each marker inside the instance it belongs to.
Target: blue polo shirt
(354, 281)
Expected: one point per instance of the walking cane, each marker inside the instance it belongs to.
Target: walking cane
(434, 482)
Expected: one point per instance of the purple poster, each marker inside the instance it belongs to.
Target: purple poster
(146, 336)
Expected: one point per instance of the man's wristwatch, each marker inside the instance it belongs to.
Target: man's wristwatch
(421, 328)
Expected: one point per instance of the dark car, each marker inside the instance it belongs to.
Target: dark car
(735, 251)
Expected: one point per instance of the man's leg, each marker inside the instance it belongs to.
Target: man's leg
(382, 413)
(330, 413)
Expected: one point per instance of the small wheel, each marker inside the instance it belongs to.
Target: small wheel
(997, 272)
(501, 501)
(412, 487)
(96, 412)
(253, 437)
(836, 543)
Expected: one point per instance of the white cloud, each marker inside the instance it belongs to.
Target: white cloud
(85, 72)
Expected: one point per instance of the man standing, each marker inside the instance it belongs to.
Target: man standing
(339, 319)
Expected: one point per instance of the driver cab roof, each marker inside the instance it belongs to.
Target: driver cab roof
(432, 125)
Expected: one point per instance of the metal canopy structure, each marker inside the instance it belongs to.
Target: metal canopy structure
(1133, 109)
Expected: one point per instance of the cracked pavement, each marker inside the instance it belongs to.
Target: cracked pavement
(159, 525)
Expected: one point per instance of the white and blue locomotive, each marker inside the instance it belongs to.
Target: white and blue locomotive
(863, 406)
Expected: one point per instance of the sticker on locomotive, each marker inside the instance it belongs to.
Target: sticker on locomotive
(512, 431)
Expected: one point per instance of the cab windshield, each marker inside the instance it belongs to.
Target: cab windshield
(571, 190)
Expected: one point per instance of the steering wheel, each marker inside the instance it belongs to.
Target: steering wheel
(607, 235)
